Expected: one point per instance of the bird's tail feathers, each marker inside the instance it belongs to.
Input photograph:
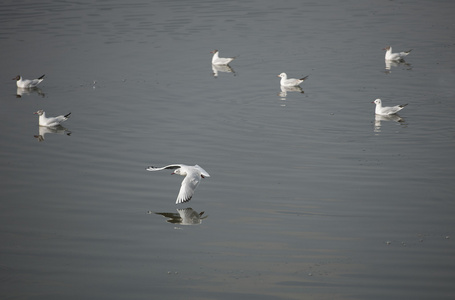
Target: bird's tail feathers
(42, 76)
(67, 115)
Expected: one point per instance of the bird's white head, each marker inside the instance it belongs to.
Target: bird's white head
(39, 112)
(179, 171)
(377, 101)
(283, 75)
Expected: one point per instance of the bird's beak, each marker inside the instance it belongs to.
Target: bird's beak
(277, 75)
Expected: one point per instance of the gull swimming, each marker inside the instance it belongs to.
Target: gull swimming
(395, 56)
(387, 110)
(27, 83)
(52, 121)
(285, 81)
(190, 182)
(220, 60)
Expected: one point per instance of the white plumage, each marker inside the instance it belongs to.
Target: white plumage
(193, 175)
(387, 110)
(285, 81)
(27, 83)
(52, 121)
(395, 56)
(216, 60)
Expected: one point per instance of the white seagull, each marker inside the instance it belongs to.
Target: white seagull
(220, 60)
(27, 83)
(49, 122)
(395, 56)
(285, 81)
(387, 110)
(193, 177)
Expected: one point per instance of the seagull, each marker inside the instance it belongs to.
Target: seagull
(220, 60)
(193, 177)
(285, 81)
(395, 56)
(387, 110)
(49, 122)
(27, 83)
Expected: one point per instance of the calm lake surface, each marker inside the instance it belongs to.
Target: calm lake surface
(310, 196)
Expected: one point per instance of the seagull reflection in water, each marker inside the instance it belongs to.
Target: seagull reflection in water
(379, 118)
(28, 91)
(285, 89)
(391, 63)
(59, 129)
(184, 216)
(221, 68)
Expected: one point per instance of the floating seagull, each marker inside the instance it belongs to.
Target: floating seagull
(193, 177)
(49, 122)
(395, 56)
(220, 60)
(285, 81)
(27, 83)
(388, 110)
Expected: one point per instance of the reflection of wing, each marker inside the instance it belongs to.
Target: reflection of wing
(28, 91)
(59, 129)
(190, 216)
(222, 68)
(393, 63)
(286, 89)
(185, 216)
(379, 118)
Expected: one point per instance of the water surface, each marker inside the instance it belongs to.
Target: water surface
(310, 195)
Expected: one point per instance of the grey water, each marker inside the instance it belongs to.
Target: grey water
(310, 196)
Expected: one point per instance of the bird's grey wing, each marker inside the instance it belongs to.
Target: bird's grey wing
(203, 172)
(172, 167)
(188, 186)
(58, 119)
(34, 82)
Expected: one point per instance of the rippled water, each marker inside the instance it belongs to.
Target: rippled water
(310, 195)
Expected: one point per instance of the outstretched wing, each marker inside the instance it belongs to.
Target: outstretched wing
(189, 184)
(172, 167)
(203, 172)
